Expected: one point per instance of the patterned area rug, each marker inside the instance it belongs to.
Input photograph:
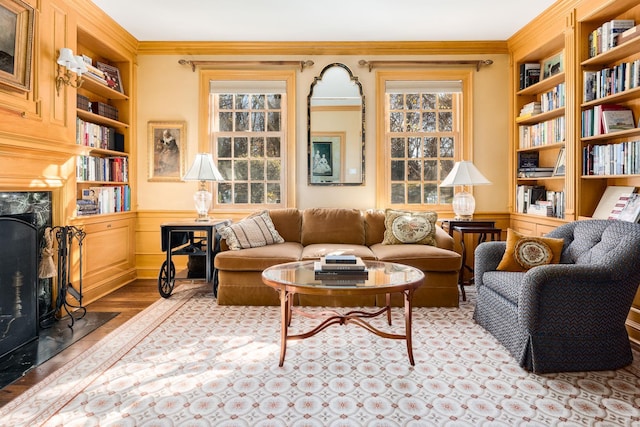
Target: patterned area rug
(187, 362)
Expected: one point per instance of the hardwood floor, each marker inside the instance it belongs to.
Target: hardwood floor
(129, 300)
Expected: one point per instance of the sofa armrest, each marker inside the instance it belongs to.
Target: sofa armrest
(487, 257)
(443, 240)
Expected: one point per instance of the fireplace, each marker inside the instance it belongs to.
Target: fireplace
(18, 282)
(34, 208)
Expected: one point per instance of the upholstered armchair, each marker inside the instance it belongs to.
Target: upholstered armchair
(568, 316)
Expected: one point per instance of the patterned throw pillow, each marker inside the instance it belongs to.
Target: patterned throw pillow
(409, 227)
(525, 252)
(252, 232)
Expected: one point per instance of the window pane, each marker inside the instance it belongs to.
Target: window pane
(273, 193)
(225, 122)
(413, 122)
(274, 170)
(241, 193)
(431, 194)
(431, 170)
(413, 101)
(226, 101)
(431, 147)
(429, 122)
(257, 147)
(273, 124)
(397, 193)
(273, 101)
(224, 166)
(397, 170)
(257, 122)
(445, 121)
(242, 102)
(446, 147)
(240, 170)
(396, 101)
(224, 192)
(257, 102)
(240, 147)
(257, 170)
(428, 101)
(224, 147)
(257, 193)
(242, 121)
(446, 195)
(414, 193)
(396, 121)
(445, 168)
(414, 172)
(414, 148)
(273, 147)
(445, 101)
(397, 147)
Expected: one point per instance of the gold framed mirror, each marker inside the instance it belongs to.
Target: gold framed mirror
(335, 128)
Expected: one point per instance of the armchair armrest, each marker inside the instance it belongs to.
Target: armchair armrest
(487, 257)
(556, 295)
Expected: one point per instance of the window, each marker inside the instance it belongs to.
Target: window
(249, 137)
(423, 136)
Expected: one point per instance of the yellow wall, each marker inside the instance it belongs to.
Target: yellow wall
(169, 91)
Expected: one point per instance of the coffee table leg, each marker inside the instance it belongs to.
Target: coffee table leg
(408, 297)
(389, 309)
(285, 314)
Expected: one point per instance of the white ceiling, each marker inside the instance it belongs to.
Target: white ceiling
(324, 20)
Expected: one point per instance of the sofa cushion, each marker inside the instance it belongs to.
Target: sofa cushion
(332, 225)
(373, 226)
(257, 259)
(317, 250)
(402, 227)
(288, 222)
(423, 257)
(525, 252)
(252, 232)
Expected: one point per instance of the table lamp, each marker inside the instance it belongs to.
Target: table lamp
(203, 170)
(464, 173)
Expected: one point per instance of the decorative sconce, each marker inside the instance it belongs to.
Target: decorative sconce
(68, 64)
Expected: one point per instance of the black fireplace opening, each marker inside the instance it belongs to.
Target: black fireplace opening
(18, 283)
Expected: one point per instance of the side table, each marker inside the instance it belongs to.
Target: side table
(178, 238)
(483, 229)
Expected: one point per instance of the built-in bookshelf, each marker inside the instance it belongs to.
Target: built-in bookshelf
(540, 133)
(609, 147)
(103, 130)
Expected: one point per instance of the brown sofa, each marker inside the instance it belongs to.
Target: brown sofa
(312, 233)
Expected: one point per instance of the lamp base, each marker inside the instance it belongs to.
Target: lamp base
(463, 206)
(203, 219)
(463, 218)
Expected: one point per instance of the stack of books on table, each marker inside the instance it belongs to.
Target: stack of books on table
(344, 268)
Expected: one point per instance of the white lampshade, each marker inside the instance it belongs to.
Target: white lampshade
(66, 58)
(464, 173)
(80, 66)
(203, 170)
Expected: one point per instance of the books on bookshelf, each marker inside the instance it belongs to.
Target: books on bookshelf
(530, 109)
(535, 172)
(606, 118)
(610, 81)
(606, 37)
(105, 169)
(529, 74)
(609, 200)
(543, 133)
(537, 200)
(103, 200)
(98, 136)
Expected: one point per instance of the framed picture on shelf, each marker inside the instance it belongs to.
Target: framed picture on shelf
(553, 65)
(167, 146)
(16, 44)
(560, 163)
(111, 75)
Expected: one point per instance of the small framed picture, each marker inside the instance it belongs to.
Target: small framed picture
(112, 75)
(559, 170)
(167, 146)
(553, 65)
(17, 19)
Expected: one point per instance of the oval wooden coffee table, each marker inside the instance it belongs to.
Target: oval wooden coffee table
(384, 278)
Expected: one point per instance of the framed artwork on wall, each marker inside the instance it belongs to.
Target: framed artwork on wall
(167, 146)
(16, 44)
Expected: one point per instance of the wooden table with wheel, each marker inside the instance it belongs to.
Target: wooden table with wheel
(383, 278)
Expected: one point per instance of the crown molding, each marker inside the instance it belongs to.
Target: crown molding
(323, 48)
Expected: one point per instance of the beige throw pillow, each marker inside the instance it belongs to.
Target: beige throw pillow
(252, 232)
(409, 227)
